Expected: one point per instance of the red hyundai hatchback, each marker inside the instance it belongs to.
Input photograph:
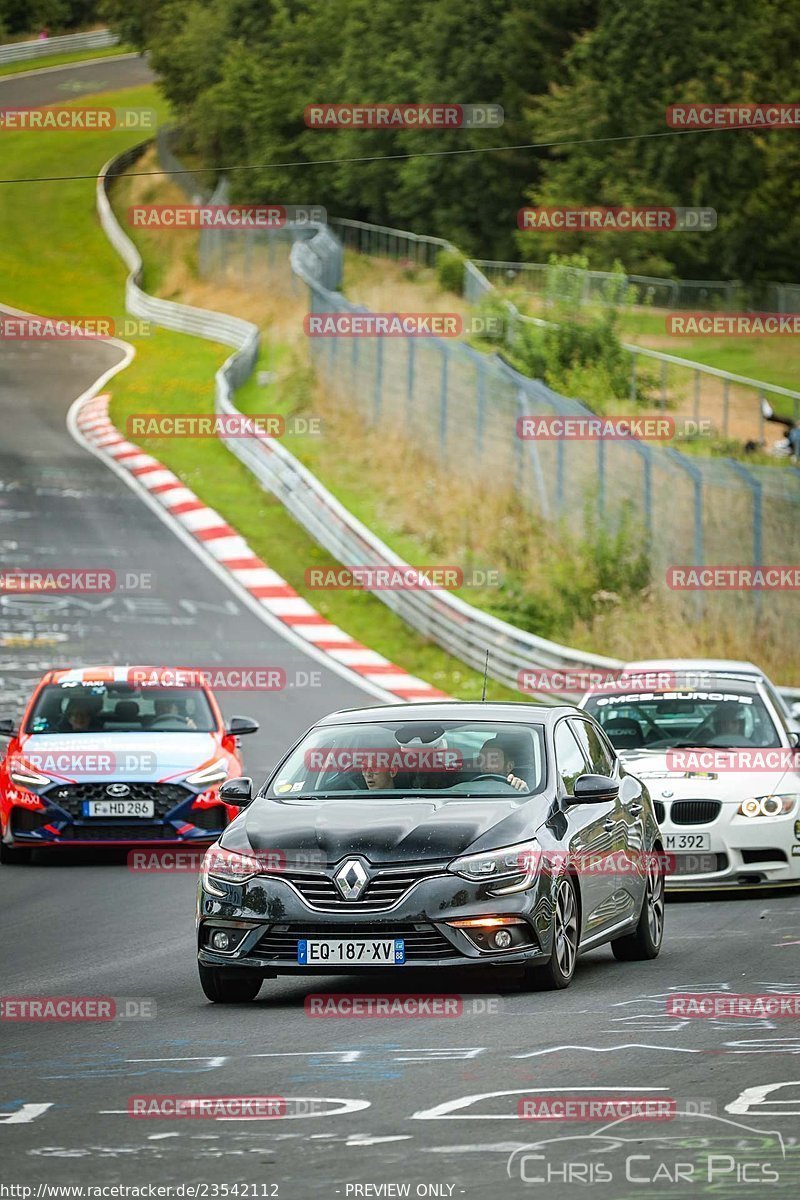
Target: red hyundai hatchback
(117, 756)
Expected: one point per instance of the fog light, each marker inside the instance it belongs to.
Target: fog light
(502, 939)
(220, 940)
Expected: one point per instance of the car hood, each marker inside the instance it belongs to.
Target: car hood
(652, 768)
(403, 830)
(91, 757)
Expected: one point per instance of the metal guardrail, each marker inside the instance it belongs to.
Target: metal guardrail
(182, 318)
(98, 39)
(459, 628)
(456, 626)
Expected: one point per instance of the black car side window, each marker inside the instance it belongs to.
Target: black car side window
(593, 748)
(570, 762)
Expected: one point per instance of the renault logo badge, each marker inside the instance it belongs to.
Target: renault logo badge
(351, 879)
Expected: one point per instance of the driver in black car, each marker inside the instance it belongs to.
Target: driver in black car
(499, 756)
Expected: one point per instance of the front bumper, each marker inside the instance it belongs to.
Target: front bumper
(60, 820)
(274, 917)
(743, 851)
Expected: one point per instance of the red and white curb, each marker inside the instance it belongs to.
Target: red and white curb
(232, 554)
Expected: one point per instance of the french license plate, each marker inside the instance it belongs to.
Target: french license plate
(688, 841)
(119, 808)
(379, 952)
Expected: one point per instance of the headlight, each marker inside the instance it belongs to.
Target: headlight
(215, 772)
(25, 776)
(227, 866)
(767, 806)
(515, 866)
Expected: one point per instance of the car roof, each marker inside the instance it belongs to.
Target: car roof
(748, 684)
(714, 665)
(454, 710)
(106, 673)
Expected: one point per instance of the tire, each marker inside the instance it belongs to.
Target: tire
(645, 941)
(223, 987)
(557, 972)
(14, 855)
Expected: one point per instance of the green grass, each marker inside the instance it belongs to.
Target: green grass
(61, 60)
(55, 260)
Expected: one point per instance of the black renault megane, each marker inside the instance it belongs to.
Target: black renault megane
(436, 835)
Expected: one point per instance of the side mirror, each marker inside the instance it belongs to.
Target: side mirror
(591, 789)
(240, 725)
(8, 728)
(238, 791)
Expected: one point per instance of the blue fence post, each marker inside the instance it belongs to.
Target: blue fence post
(601, 477)
(480, 381)
(410, 378)
(758, 526)
(443, 401)
(378, 376)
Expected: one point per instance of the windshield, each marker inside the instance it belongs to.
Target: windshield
(662, 720)
(468, 758)
(120, 708)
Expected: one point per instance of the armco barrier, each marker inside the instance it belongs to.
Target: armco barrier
(457, 627)
(98, 39)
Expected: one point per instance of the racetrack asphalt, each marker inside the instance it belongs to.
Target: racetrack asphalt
(430, 1103)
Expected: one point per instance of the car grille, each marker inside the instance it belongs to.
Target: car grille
(694, 812)
(142, 832)
(422, 942)
(385, 889)
(660, 811)
(165, 796)
(701, 863)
